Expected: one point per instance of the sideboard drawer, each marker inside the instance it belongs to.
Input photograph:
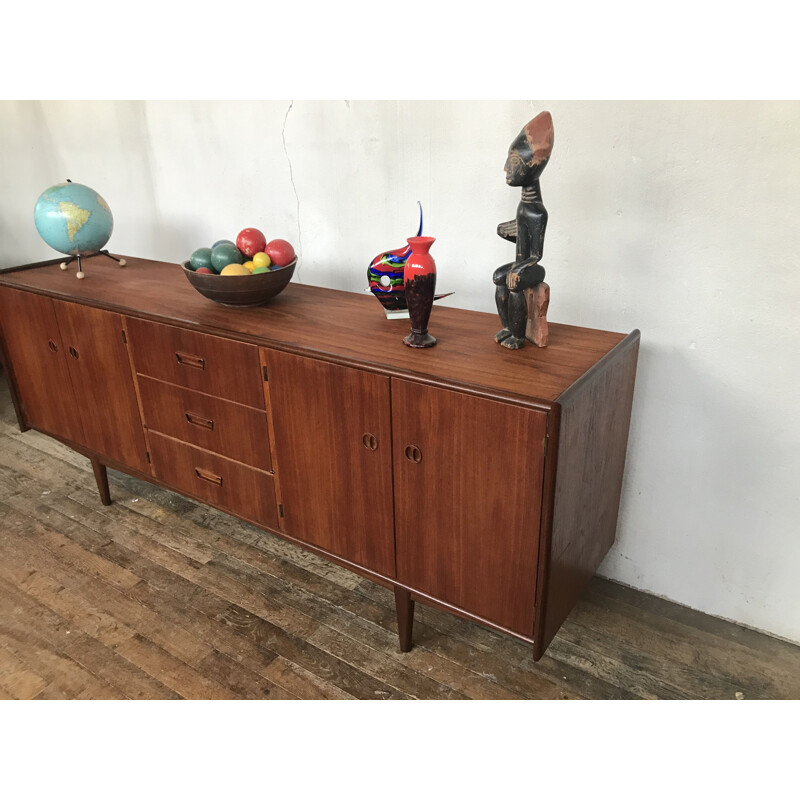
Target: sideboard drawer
(219, 481)
(210, 364)
(230, 429)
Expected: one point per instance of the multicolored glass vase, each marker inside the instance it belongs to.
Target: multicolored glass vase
(386, 281)
(420, 290)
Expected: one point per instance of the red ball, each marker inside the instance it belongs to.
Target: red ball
(251, 241)
(205, 271)
(280, 252)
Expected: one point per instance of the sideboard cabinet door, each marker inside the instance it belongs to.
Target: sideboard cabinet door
(468, 491)
(97, 358)
(333, 454)
(35, 352)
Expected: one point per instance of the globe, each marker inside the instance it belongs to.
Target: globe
(73, 219)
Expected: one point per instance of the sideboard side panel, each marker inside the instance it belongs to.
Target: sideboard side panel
(6, 369)
(592, 442)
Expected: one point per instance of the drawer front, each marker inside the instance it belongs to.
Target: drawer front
(236, 431)
(215, 480)
(210, 364)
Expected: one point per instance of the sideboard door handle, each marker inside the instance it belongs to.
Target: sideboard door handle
(370, 442)
(205, 475)
(74, 353)
(52, 345)
(188, 360)
(202, 422)
(413, 453)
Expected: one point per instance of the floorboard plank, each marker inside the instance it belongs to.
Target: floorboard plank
(107, 601)
(16, 678)
(174, 673)
(89, 653)
(20, 636)
(694, 664)
(243, 682)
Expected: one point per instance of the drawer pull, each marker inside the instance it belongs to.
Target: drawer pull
(52, 345)
(74, 353)
(370, 442)
(187, 360)
(413, 453)
(205, 475)
(201, 422)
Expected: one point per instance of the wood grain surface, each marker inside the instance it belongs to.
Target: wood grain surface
(41, 372)
(333, 442)
(156, 596)
(467, 512)
(197, 361)
(345, 327)
(592, 440)
(218, 480)
(102, 382)
(230, 429)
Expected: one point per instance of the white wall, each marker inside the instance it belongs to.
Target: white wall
(678, 218)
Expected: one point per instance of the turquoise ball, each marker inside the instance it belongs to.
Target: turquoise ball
(201, 258)
(224, 254)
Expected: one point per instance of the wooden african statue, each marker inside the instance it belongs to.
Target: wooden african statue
(521, 294)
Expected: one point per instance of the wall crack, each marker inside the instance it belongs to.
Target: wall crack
(294, 188)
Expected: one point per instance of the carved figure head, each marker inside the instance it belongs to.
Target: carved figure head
(530, 151)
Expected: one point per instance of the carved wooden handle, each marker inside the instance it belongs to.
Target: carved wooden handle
(370, 442)
(413, 453)
(208, 476)
(188, 360)
(196, 419)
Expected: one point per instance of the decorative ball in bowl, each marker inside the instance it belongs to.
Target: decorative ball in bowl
(241, 291)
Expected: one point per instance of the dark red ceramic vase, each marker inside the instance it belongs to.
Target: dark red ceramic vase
(420, 286)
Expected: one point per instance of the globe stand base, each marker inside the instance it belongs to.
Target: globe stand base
(81, 274)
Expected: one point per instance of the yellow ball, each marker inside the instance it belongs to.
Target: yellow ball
(261, 260)
(235, 269)
(250, 265)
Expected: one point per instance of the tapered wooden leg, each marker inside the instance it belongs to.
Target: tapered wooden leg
(405, 617)
(101, 476)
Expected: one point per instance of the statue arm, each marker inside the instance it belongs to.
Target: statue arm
(530, 246)
(528, 273)
(508, 230)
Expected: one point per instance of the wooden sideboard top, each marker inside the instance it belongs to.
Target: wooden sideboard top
(343, 327)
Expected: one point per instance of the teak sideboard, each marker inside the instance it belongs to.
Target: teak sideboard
(480, 480)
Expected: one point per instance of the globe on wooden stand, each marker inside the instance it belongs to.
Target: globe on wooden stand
(75, 220)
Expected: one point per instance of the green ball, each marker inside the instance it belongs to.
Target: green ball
(259, 270)
(201, 258)
(224, 254)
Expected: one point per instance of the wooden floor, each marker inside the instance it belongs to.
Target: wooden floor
(157, 596)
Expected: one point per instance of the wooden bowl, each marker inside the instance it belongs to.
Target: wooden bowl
(241, 291)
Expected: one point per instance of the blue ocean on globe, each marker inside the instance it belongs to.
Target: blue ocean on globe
(73, 219)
